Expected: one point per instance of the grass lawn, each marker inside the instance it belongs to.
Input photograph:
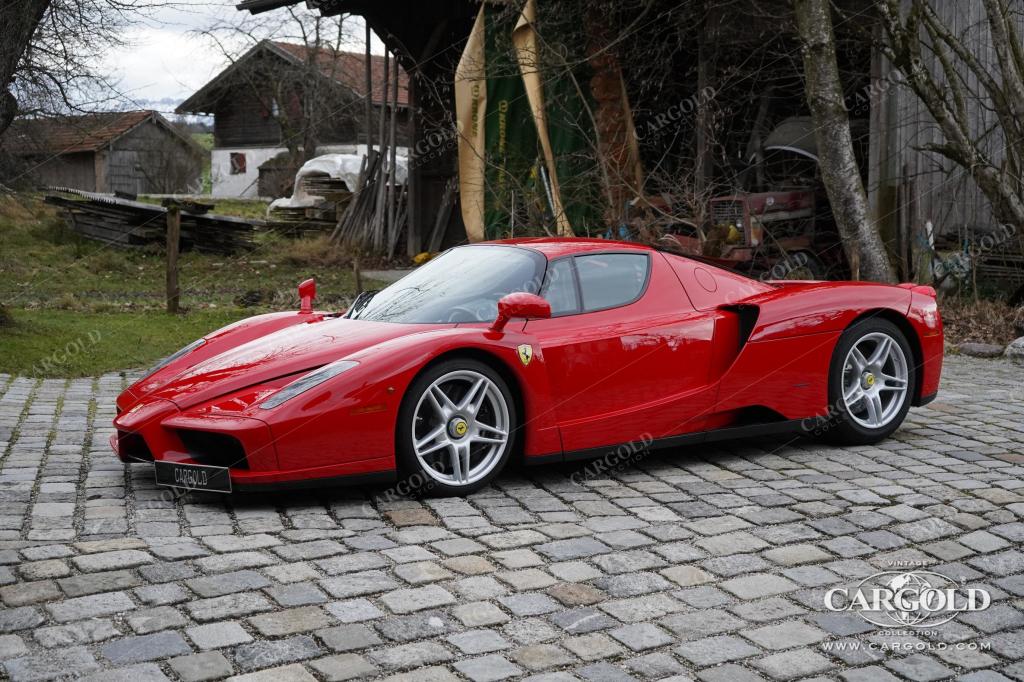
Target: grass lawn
(70, 343)
(59, 287)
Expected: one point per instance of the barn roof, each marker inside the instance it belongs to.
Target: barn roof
(345, 68)
(73, 134)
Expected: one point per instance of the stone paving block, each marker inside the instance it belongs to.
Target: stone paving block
(218, 635)
(417, 599)
(144, 621)
(919, 668)
(290, 621)
(227, 583)
(715, 650)
(11, 646)
(201, 667)
(107, 561)
(480, 613)
(90, 607)
(785, 635)
(593, 646)
(71, 661)
(30, 593)
(414, 655)
(141, 672)
(228, 606)
(793, 664)
(353, 610)
(93, 583)
(359, 584)
(343, 667)
(488, 668)
(285, 673)
(478, 641)
(276, 652)
(641, 636)
(352, 637)
(145, 648)
(538, 657)
(758, 585)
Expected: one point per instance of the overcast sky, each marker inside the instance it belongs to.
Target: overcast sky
(166, 60)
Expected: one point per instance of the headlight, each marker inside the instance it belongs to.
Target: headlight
(174, 356)
(303, 384)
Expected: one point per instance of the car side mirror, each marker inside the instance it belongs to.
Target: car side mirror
(520, 305)
(307, 292)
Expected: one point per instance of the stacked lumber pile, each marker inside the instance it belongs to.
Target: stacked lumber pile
(303, 221)
(131, 224)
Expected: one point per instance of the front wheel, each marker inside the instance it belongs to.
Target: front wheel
(456, 428)
(870, 382)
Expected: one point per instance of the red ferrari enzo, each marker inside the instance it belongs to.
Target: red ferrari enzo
(546, 349)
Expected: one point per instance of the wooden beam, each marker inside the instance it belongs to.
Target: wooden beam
(173, 237)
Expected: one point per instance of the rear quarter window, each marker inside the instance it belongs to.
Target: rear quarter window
(609, 280)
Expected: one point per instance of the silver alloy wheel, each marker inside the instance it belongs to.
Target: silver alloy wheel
(875, 380)
(460, 427)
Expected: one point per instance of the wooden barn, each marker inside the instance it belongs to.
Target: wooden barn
(260, 104)
(135, 152)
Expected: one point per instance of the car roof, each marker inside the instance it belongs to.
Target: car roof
(553, 247)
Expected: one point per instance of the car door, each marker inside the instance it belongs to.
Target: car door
(629, 357)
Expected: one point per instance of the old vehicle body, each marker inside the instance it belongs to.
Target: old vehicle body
(549, 349)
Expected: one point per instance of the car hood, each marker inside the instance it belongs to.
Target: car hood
(292, 350)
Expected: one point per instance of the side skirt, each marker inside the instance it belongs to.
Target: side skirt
(370, 479)
(728, 433)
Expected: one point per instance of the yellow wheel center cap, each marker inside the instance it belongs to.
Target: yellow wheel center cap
(869, 380)
(458, 428)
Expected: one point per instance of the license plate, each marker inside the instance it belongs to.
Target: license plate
(193, 476)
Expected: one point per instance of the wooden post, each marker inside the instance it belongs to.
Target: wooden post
(369, 92)
(703, 166)
(173, 237)
(413, 238)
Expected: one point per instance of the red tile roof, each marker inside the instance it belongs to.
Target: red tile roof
(345, 68)
(70, 134)
(349, 69)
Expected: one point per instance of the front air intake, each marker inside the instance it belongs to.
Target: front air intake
(215, 449)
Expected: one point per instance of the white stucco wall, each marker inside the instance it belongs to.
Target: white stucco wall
(245, 185)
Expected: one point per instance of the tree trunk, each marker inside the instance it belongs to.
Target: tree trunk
(19, 20)
(840, 174)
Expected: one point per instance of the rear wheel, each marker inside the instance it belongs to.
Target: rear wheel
(456, 428)
(870, 383)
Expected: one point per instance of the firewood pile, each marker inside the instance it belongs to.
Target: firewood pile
(129, 223)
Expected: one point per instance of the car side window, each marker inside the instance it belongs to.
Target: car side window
(559, 288)
(608, 280)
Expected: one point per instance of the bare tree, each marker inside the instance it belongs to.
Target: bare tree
(51, 50)
(300, 93)
(865, 250)
(960, 88)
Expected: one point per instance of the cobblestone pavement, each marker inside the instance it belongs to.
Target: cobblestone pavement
(706, 564)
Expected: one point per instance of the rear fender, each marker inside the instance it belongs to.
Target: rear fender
(784, 362)
(820, 307)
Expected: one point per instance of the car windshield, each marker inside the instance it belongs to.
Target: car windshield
(463, 284)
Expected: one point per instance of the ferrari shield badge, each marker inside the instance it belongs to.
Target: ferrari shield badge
(525, 353)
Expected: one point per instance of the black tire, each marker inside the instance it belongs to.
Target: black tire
(416, 479)
(842, 427)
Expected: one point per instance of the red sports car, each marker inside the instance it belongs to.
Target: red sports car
(545, 349)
